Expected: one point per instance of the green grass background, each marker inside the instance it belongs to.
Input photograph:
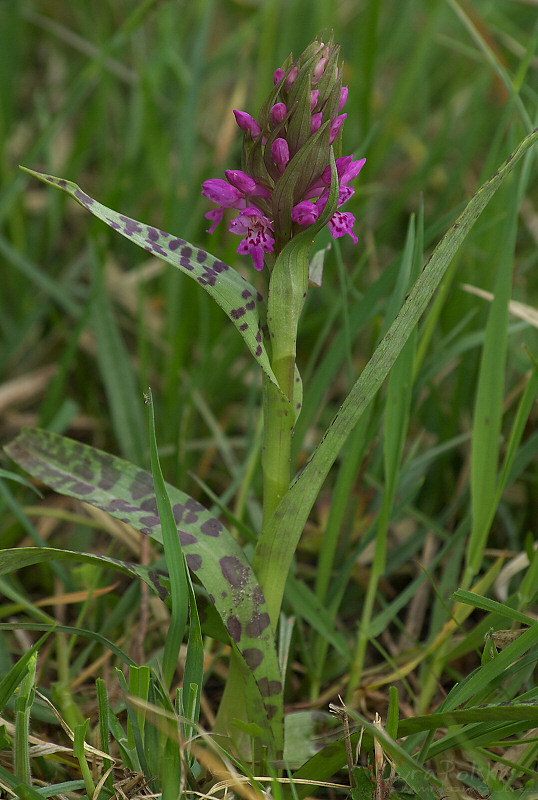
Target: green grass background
(134, 103)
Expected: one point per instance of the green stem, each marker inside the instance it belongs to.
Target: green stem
(276, 448)
(287, 291)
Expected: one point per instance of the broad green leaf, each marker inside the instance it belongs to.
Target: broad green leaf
(242, 303)
(212, 554)
(293, 510)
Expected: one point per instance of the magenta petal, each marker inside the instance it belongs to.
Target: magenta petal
(215, 215)
(240, 180)
(305, 213)
(318, 70)
(280, 152)
(341, 223)
(256, 229)
(247, 123)
(352, 170)
(220, 192)
(336, 124)
(278, 113)
(278, 75)
(292, 77)
(315, 121)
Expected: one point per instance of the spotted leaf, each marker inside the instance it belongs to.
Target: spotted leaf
(242, 303)
(212, 554)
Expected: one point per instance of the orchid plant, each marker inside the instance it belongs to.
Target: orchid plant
(293, 182)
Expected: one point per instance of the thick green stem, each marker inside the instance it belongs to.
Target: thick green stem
(278, 427)
(287, 292)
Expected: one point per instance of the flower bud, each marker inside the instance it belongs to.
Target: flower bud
(278, 113)
(247, 123)
(280, 153)
(336, 124)
(318, 70)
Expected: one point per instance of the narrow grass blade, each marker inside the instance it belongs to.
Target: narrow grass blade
(93, 635)
(174, 557)
(492, 606)
(115, 365)
(137, 688)
(193, 674)
(489, 400)
(80, 733)
(23, 706)
(9, 682)
(104, 733)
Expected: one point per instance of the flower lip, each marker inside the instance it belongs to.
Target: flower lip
(256, 229)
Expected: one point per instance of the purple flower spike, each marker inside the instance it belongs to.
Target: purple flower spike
(286, 159)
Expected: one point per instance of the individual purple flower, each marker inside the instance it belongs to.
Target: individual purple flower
(256, 228)
(225, 195)
(305, 213)
(341, 223)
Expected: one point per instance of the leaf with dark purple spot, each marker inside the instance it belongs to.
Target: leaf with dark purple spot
(215, 558)
(242, 303)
